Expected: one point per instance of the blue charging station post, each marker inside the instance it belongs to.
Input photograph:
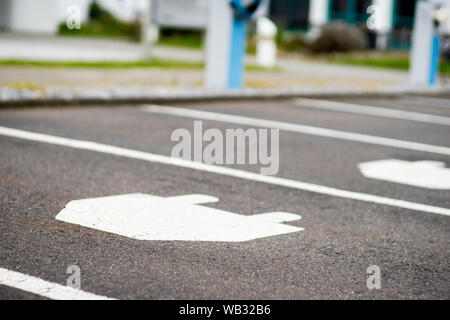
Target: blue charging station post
(425, 51)
(226, 41)
(237, 54)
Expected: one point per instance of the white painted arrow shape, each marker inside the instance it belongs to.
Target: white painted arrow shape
(424, 174)
(147, 217)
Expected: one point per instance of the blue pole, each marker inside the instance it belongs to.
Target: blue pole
(237, 55)
(435, 55)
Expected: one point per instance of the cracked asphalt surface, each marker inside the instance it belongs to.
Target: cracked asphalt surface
(328, 260)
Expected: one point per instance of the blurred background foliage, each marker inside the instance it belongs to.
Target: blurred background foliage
(103, 24)
(339, 37)
(337, 42)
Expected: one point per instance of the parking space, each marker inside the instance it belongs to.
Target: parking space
(328, 214)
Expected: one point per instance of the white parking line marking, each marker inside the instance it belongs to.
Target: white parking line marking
(297, 128)
(151, 218)
(372, 111)
(140, 155)
(424, 174)
(44, 288)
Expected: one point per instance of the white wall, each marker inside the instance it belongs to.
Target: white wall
(38, 16)
(44, 16)
(33, 16)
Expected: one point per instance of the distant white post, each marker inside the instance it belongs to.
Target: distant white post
(149, 29)
(384, 17)
(266, 51)
(318, 12)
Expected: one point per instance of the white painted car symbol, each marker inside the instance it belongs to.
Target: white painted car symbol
(424, 174)
(148, 217)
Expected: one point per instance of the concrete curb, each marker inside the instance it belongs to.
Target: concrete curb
(119, 95)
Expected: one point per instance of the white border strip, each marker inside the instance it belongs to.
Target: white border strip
(44, 288)
(140, 155)
(372, 111)
(297, 128)
(424, 101)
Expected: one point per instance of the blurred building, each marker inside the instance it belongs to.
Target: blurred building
(397, 16)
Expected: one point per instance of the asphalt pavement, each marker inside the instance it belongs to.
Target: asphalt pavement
(348, 221)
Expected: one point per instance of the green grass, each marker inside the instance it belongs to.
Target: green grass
(188, 41)
(129, 31)
(381, 60)
(194, 42)
(153, 63)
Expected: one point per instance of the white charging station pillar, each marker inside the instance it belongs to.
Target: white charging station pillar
(226, 40)
(218, 44)
(425, 46)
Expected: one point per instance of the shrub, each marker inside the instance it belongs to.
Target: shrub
(97, 12)
(181, 38)
(446, 48)
(339, 37)
(293, 42)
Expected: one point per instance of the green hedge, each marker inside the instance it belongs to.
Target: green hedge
(103, 24)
